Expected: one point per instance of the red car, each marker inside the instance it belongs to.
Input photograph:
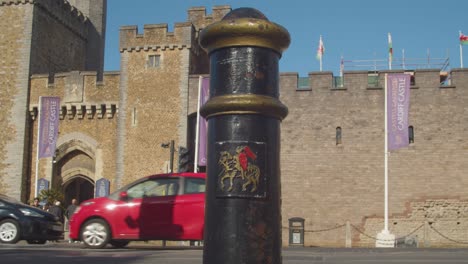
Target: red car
(157, 207)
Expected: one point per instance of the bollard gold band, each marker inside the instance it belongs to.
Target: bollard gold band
(242, 104)
(245, 32)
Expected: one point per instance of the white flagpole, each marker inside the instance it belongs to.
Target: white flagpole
(385, 238)
(386, 160)
(197, 129)
(461, 52)
(321, 63)
(37, 147)
(403, 53)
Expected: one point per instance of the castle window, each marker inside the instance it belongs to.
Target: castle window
(338, 136)
(411, 134)
(154, 61)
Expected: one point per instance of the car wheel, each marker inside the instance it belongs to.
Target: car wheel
(37, 242)
(119, 243)
(95, 233)
(9, 231)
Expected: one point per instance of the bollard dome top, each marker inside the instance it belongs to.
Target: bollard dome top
(245, 27)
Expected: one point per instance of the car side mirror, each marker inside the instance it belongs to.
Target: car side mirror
(123, 196)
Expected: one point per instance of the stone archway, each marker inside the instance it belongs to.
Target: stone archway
(79, 187)
(74, 167)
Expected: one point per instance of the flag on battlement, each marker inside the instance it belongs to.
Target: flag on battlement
(390, 47)
(320, 49)
(463, 39)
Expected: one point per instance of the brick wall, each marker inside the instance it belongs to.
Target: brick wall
(329, 184)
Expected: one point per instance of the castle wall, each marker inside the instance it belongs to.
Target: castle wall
(15, 44)
(153, 99)
(59, 37)
(95, 11)
(113, 127)
(329, 184)
(88, 116)
(200, 19)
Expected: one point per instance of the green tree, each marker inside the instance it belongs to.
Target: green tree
(51, 196)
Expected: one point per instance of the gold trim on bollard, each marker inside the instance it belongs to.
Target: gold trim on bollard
(243, 104)
(245, 32)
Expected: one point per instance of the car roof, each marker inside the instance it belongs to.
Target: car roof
(180, 174)
(9, 199)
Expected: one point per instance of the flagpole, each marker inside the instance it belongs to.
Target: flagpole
(321, 63)
(197, 132)
(403, 53)
(385, 238)
(386, 160)
(37, 147)
(461, 52)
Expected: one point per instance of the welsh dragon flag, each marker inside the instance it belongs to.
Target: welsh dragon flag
(463, 39)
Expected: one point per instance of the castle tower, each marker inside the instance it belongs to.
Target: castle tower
(154, 92)
(95, 11)
(38, 37)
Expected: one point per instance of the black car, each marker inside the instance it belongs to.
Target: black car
(19, 221)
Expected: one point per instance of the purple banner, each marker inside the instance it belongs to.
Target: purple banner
(48, 125)
(398, 94)
(204, 96)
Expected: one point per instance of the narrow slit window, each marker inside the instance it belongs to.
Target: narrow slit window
(338, 136)
(411, 134)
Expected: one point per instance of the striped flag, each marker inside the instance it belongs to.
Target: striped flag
(320, 49)
(463, 39)
(390, 47)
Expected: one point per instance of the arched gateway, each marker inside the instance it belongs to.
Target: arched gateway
(75, 167)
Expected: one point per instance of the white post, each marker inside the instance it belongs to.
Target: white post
(321, 63)
(461, 51)
(384, 238)
(461, 56)
(403, 53)
(37, 147)
(197, 132)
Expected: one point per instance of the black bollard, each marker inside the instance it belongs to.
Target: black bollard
(243, 197)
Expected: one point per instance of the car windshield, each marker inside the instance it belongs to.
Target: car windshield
(115, 194)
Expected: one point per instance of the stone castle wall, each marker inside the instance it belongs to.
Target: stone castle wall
(114, 128)
(328, 184)
(88, 122)
(15, 44)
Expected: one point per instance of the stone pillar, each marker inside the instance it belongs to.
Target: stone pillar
(243, 199)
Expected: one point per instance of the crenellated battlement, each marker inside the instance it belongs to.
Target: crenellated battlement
(60, 10)
(156, 36)
(81, 95)
(199, 18)
(369, 80)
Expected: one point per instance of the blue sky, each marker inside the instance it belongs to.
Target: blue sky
(356, 30)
